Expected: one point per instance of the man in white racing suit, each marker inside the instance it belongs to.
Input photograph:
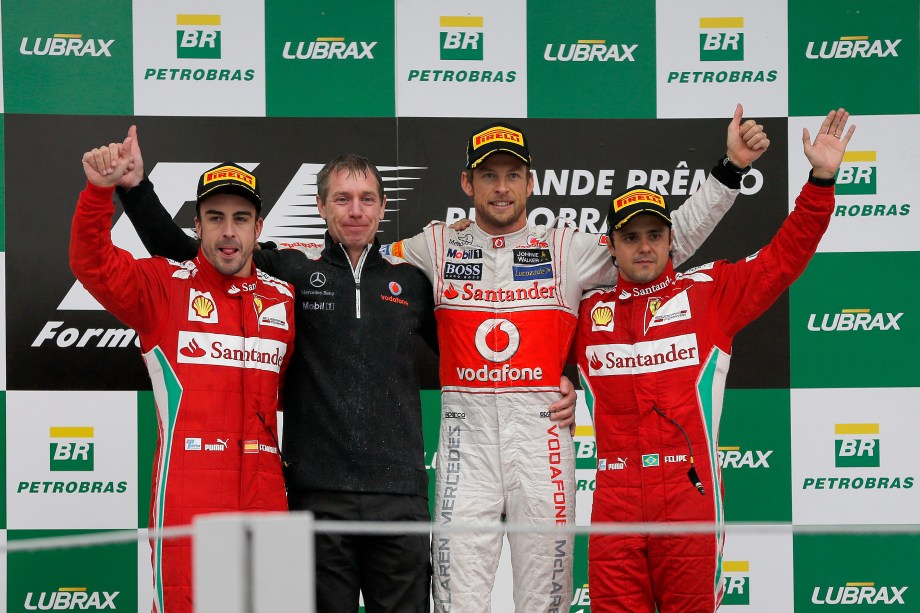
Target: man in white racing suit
(506, 302)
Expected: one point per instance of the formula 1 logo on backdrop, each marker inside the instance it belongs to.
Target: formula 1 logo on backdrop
(293, 216)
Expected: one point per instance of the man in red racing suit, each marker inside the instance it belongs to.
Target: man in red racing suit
(506, 297)
(215, 345)
(652, 355)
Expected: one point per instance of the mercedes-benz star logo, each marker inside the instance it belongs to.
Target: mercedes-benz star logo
(317, 279)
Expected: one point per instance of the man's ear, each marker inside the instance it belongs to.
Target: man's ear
(466, 182)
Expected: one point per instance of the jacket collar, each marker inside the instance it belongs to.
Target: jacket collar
(627, 290)
(335, 252)
(233, 286)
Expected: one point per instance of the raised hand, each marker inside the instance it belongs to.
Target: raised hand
(746, 141)
(135, 170)
(826, 152)
(105, 166)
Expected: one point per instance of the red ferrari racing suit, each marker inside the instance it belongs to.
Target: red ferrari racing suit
(215, 348)
(653, 360)
(506, 310)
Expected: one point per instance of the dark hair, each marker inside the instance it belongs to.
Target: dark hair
(353, 164)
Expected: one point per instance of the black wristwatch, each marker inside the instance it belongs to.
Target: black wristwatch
(729, 165)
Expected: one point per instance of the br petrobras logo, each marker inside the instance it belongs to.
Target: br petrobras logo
(737, 582)
(856, 174)
(71, 448)
(328, 48)
(497, 340)
(66, 45)
(851, 47)
(858, 592)
(198, 37)
(856, 445)
(590, 50)
(461, 37)
(721, 39)
(854, 320)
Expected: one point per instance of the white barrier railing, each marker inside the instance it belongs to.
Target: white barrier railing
(263, 562)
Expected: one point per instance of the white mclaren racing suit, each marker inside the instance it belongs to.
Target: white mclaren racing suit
(506, 309)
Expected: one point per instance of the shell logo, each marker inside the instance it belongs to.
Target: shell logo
(602, 316)
(203, 307)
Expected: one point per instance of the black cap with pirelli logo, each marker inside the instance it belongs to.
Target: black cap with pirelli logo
(496, 138)
(228, 178)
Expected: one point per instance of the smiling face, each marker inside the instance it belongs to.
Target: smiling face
(642, 248)
(352, 209)
(499, 187)
(229, 227)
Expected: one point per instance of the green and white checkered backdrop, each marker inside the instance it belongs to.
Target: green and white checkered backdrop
(822, 414)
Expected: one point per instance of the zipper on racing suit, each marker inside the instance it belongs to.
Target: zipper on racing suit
(356, 272)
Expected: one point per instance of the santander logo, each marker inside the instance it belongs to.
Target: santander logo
(192, 350)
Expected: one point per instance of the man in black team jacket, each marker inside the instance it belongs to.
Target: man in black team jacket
(353, 444)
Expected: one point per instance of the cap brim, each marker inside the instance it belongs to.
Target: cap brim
(500, 150)
(626, 219)
(237, 190)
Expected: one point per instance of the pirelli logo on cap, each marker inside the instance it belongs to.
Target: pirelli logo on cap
(638, 195)
(229, 172)
(498, 134)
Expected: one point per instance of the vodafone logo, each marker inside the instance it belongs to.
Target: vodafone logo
(497, 340)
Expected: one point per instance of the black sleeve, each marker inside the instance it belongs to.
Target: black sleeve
(428, 328)
(156, 228)
(269, 259)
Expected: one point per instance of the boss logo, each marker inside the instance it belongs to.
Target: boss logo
(462, 272)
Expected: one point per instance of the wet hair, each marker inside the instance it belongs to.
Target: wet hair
(353, 165)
